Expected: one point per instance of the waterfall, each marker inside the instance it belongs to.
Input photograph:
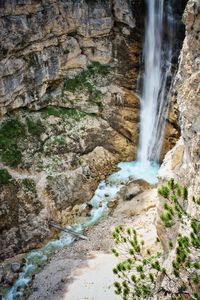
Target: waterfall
(157, 55)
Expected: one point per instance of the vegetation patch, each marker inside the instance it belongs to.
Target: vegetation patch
(10, 131)
(5, 177)
(29, 185)
(48, 98)
(35, 128)
(60, 140)
(139, 273)
(61, 112)
(11, 156)
(85, 80)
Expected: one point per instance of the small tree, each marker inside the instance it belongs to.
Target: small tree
(140, 273)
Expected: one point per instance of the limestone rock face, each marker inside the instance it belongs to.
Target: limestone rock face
(42, 41)
(43, 44)
(23, 223)
(68, 73)
(60, 167)
(183, 161)
(83, 126)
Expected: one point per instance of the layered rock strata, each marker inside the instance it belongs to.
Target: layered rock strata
(67, 96)
(69, 107)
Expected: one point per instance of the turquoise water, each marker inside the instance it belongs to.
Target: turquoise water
(105, 192)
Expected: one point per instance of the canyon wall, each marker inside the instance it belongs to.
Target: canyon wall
(70, 112)
(69, 108)
(183, 162)
(45, 42)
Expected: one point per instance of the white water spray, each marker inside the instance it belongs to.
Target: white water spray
(154, 100)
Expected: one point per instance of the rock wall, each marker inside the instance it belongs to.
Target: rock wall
(68, 76)
(42, 42)
(183, 162)
(69, 107)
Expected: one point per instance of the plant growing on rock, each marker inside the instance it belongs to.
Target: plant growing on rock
(35, 128)
(141, 274)
(5, 177)
(29, 185)
(85, 80)
(62, 112)
(10, 131)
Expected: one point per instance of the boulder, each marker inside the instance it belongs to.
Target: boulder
(132, 192)
(113, 203)
(144, 185)
(15, 267)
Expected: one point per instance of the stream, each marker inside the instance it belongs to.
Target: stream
(105, 192)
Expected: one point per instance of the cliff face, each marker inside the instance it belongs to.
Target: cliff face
(69, 107)
(68, 79)
(43, 41)
(183, 161)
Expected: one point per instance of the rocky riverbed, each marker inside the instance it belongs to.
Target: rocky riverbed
(58, 279)
(127, 199)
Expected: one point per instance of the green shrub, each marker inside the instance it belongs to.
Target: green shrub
(11, 156)
(185, 193)
(164, 191)
(171, 184)
(11, 131)
(83, 80)
(5, 177)
(29, 185)
(35, 128)
(61, 112)
(53, 111)
(139, 275)
(97, 68)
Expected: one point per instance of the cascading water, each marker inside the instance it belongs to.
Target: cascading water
(157, 59)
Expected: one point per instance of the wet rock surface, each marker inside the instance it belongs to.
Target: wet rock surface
(182, 162)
